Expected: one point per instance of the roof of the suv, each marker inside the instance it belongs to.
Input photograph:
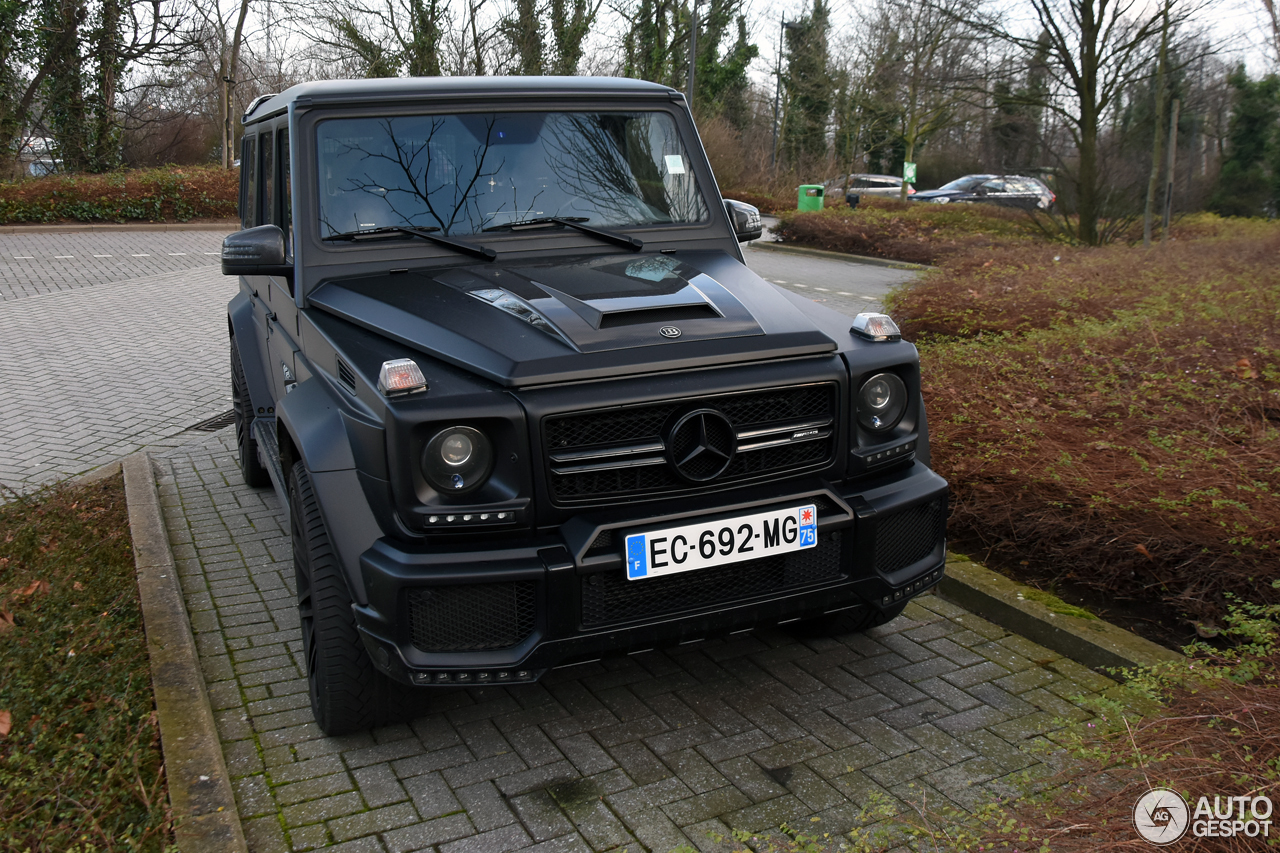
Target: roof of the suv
(389, 89)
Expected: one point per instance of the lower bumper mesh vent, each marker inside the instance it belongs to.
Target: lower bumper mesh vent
(472, 617)
(909, 536)
(608, 597)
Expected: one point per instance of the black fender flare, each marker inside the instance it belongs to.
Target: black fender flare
(310, 427)
(244, 337)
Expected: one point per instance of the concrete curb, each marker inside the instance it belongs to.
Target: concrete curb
(97, 474)
(839, 256)
(204, 807)
(227, 225)
(1023, 610)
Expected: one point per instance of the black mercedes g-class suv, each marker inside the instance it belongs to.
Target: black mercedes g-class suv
(496, 348)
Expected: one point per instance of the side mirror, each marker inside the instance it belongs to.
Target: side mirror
(255, 251)
(745, 220)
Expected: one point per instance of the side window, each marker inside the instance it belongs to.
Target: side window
(267, 178)
(248, 182)
(286, 194)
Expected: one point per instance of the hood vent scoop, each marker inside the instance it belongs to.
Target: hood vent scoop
(687, 303)
(606, 303)
(658, 315)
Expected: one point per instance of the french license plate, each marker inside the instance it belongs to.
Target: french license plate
(715, 543)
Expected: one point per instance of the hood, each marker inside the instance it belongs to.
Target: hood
(589, 318)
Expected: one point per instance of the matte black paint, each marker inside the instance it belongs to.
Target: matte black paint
(346, 309)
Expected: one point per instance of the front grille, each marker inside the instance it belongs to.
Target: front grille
(909, 536)
(472, 617)
(620, 451)
(609, 598)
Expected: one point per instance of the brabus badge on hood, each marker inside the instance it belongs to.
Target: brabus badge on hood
(669, 332)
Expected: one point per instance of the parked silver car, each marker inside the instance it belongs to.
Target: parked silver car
(885, 186)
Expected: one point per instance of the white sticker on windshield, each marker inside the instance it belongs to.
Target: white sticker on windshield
(675, 164)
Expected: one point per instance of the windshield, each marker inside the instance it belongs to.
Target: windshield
(966, 183)
(465, 173)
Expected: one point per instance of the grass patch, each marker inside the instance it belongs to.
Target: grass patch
(169, 194)
(1109, 418)
(80, 763)
(1056, 605)
(910, 231)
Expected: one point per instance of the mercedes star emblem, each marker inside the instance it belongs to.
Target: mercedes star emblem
(701, 444)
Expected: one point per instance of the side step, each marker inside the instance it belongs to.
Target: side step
(264, 431)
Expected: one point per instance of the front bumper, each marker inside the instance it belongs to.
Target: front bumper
(495, 615)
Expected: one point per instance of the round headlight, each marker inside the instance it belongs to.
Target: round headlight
(457, 460)
(882, 402)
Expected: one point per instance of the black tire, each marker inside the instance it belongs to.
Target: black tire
(347, 693)
(253, 472)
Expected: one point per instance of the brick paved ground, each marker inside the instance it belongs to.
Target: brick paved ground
(112, 341)
(94, 373)
(639, 753)
(37, 263)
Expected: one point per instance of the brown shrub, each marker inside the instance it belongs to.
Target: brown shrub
(155, 195)
(1113, 418)
(907, 231)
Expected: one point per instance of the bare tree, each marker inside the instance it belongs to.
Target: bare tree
(922, 52)
(1273, 13)
(1093, 49)
(384, 38)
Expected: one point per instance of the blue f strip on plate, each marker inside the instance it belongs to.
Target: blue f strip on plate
(637, 561)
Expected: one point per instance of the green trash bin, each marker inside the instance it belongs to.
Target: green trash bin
(810, 196)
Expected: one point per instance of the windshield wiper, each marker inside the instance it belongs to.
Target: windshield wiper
(626, 241)
(483, 252)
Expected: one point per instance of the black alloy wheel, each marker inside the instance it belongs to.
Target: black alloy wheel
(347, 693)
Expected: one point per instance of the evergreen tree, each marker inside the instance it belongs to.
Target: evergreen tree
(523, 31)
(810, 88)
(648, 50)
(722, 83)
(571, 22)
(1248, 182)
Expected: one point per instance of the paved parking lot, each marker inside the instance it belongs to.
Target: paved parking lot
(843, 285)
(96, 372)
(647, 752)
(48, 262)
(640, 753)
